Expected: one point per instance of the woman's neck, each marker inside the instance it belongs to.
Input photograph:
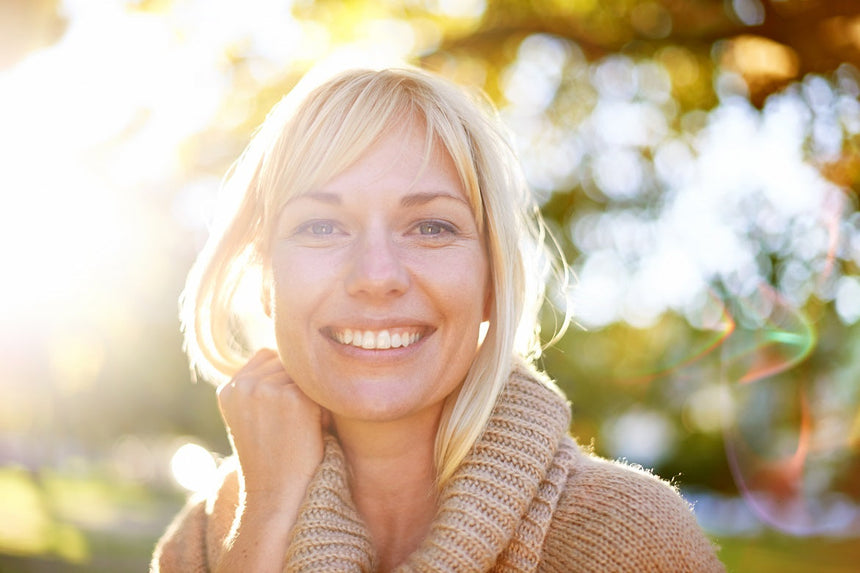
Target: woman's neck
(392, 480)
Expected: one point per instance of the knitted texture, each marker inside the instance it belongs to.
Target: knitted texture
(526, 498)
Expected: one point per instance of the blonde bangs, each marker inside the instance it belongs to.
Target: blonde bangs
(339, 121)
(325, 135)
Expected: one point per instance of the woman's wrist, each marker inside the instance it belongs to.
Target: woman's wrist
(260, 533)
(267, 505)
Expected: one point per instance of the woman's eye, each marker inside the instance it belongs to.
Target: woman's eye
(317, 228)
(321, 228)
(434, 228)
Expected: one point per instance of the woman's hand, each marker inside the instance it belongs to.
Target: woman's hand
(276, 432)
(274, 428)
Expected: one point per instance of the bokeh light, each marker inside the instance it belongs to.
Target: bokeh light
(193, 467)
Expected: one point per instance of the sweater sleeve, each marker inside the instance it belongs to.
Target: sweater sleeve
(183, 546)
(195, 538)
(613, 517)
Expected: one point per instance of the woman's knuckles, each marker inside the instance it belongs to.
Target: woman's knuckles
(264, 392)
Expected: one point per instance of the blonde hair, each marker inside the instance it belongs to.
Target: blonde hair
(305, 141)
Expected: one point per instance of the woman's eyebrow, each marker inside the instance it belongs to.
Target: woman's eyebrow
(410, 200)
(414, 199)
(321, 196)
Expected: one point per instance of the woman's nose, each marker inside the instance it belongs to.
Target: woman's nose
(377, 268)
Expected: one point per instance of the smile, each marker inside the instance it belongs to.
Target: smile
(377, 339)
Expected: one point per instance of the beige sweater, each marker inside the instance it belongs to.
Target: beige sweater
(525, 499)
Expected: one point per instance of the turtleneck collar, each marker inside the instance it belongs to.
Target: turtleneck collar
(493, 509)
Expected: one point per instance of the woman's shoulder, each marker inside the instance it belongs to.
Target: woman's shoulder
(618, 482)
(198, 531)
(613, 516)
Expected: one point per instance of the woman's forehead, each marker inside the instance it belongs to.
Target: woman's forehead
(405, 156)
(410, 153)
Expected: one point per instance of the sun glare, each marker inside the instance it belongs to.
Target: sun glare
(193, 467)
(88, 134)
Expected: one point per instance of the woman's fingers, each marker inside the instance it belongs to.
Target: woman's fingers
(263, 368)
(275, 429)
(276, 433)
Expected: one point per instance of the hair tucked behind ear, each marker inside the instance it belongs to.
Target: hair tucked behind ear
(307, 140)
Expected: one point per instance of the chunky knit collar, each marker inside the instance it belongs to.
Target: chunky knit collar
(493, 513)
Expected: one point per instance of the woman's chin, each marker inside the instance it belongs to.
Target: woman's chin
(378, 409)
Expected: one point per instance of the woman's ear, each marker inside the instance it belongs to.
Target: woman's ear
(488, 302)
(266, 286)
(266, 300)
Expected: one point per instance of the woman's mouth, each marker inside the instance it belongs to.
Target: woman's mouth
(377, 339)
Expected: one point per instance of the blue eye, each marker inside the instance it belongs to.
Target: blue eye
(431, 228)
(321, 228)
(316, 228)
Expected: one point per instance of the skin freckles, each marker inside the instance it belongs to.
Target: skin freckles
(387, 250)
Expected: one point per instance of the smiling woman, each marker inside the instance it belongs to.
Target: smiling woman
(400, 260)
(386, 248)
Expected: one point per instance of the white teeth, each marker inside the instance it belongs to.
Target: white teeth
(370, 340)
(383, 340)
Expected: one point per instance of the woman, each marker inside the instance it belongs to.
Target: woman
(389, 220)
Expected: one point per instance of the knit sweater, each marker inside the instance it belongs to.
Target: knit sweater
(526, 498)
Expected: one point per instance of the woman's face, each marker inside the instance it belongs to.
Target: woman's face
(380, 283)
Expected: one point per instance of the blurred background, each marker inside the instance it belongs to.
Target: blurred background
(699, 162)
